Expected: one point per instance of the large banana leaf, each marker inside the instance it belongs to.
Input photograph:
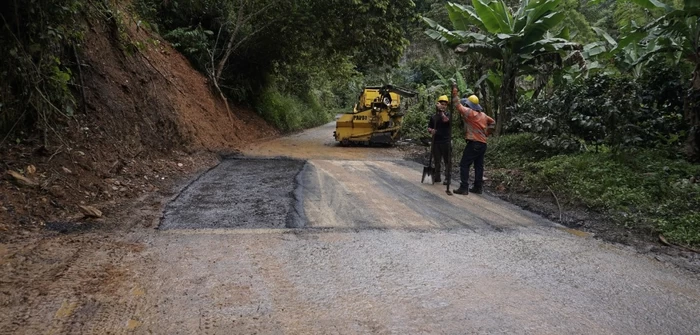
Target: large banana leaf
(524, 4)
(671, 17)
(606, 36)
(501, 11)
(481, 80)
(536, 30)
(469, 36)
(440, 33)
(443, 83)
(551, 44)
(495, 79)
(653, 4)
(463, 17)
(594, 49)
(670, 23)
(461, 82)
(442, 80)
(539, 8)
(655, 47)
(493, 22)
(486, 49)
(564, 33)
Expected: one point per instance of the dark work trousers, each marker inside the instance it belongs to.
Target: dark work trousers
(441, 153)
(473, 153)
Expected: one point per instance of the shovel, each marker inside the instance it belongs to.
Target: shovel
(429, 170)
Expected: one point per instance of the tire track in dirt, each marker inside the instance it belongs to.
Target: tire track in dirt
(84, 290)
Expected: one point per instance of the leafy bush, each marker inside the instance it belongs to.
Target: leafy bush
(416, 120)
(281, 39)
(290, 113)
(37, 55)
(192, 42)
(648, 189)
(512, 151)
(607, 110)
(645, 189)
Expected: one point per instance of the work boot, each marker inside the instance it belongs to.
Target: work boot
(462, 190)
(477, 190)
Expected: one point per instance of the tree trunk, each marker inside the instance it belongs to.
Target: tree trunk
(691, 109)
(507, 97)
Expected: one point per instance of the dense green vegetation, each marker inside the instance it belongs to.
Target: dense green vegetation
(38, 40)
(285, 57)
(648, 189)
(597, 101)
(262, 53)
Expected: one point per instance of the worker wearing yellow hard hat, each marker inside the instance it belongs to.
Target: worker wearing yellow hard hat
(438, 127)
(472, 102)
(476, 124)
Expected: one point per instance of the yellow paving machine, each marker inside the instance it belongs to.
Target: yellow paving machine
(375, 119)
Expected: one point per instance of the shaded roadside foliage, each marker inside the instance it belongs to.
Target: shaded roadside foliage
(38, 38)
(279, 35)
(677, 33)
(522, 40)
(648, 190)
(608, 110)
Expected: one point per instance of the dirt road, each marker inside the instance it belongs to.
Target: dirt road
(336, 240)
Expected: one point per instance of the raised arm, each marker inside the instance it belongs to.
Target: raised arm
(455, 101)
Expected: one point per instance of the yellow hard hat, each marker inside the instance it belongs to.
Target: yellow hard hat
(473, 103)
(444, 98)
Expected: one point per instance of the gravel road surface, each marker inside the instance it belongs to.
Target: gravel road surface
(300, 236)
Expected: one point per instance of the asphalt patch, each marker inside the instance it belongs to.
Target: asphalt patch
(239, 193)
(66, 227)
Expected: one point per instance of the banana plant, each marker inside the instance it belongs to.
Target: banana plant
(443, 83)
(518, 40)
(676, 32)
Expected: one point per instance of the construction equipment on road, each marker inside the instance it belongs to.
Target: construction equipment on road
(376, 118)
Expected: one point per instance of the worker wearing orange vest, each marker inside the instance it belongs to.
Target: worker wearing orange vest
(476, 125)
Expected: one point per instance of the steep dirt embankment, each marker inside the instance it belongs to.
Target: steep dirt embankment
(155, 97)
(149, 117)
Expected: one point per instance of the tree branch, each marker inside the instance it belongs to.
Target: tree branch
(19, 32)
(80, 74)
(241, 20)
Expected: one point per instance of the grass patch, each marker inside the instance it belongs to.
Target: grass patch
(290, 113)
(513, 151)
(647, 189)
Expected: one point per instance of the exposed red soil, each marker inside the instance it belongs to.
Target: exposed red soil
(149, 119)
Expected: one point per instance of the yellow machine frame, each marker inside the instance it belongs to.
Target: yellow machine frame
(376, 118)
